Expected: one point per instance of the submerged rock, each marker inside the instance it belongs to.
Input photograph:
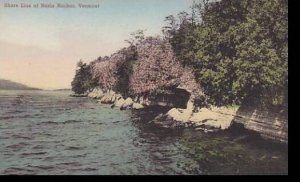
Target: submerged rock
(165, 121)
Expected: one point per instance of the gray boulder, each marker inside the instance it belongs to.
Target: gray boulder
(137, 106)
(127, 103)
(119, 103)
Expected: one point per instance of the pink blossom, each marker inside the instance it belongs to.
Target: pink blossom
(157, 68)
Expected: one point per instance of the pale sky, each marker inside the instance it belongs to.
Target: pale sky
(40, 47)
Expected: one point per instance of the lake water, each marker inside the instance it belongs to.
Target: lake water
(48, 132)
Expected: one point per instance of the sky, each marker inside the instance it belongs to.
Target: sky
(40, 47)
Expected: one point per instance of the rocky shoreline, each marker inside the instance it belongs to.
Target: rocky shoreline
(205, 119)
(211, 119)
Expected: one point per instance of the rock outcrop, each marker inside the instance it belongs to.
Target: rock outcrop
(165, 121)
(119, 103)
(137, 106)
(127, 103)
(108, 97)
(96, 93)
(271, 124)
(213, 118)
(206, 119)
(111, 97)
(182, 115)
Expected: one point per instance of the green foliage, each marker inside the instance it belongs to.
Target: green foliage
(124, 65)
(239, 49)
(82, 81)
(124, 70)
(181, 36)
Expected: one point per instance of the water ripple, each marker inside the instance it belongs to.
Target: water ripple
(45, 132)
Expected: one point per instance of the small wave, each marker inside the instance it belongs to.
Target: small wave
(3, 137)
(74, 148)
(14, 112)
(80, 155)
(114, 164)
(16, 171)
(11, 117)
(26, 116)
(43, 134)
(69, 163)
(72, 121)
(33, 153)
(41, 167)
(63, 109)
(23, 137)
(89, 169)
(48, 122)
(49, 158)
(6, 117)
(98, 123)
(37, 147)
(16, 146)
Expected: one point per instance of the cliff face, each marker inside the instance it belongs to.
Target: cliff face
(270, 124)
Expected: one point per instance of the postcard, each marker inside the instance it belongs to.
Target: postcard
(143, 87)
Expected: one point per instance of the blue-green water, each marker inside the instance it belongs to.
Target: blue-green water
(48, 132)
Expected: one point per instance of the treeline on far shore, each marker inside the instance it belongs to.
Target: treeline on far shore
(227, 52)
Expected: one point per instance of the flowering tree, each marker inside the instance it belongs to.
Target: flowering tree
(157, 69)
(154, 69)
(188, 81)
(104, 72)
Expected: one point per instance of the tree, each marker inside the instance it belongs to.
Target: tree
(262, 58)
(124, 70)
(136, 38)
(157, 69)
(105, 74)
(180, 34)
(82, 81)
(242, 51)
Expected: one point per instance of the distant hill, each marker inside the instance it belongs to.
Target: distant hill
(10, 85)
